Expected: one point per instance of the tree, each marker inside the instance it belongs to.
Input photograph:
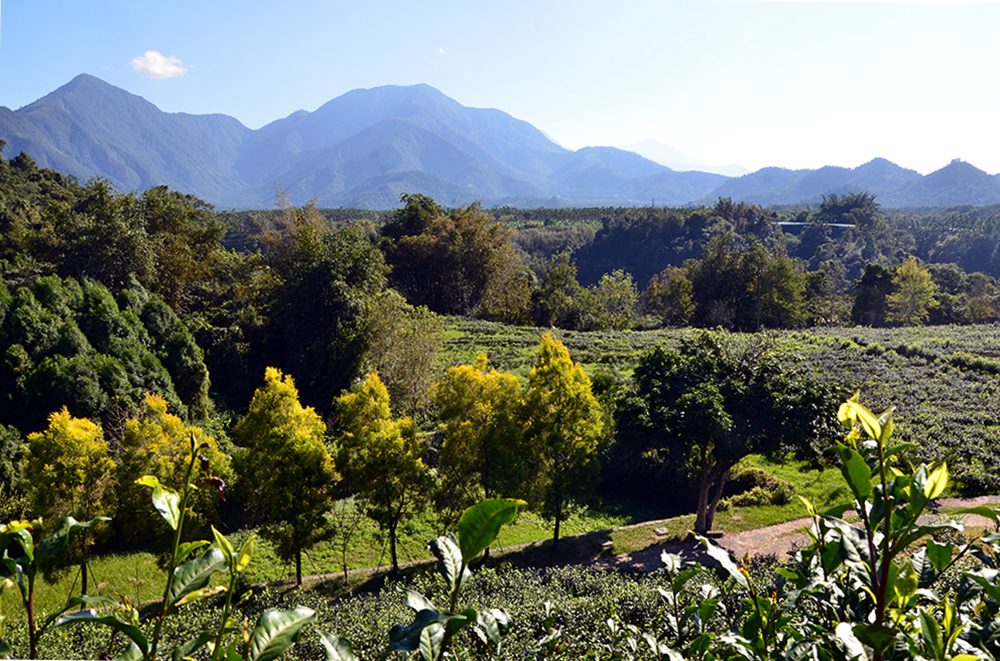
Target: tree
(872, 289)
(158, 443)
(318, 318)
(453, 263)
(716, 400)
(11, 456)
(482, 454)
(913, 297)
(611, 303)
(556, 301)
(381, 458)
(68, 472)
(284, 468)
(981, 300)
(564, 426)
(669, 296)
(402, 347)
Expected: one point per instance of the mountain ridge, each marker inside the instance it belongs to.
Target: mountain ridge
(366, 146)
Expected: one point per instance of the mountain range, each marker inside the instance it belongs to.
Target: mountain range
(366, 147)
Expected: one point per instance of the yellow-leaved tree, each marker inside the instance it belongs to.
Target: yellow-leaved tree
(158, 443)
(482, 455)
(382, 458)
(564, 428)
(910, 303)
(285, 471)
(68, 472)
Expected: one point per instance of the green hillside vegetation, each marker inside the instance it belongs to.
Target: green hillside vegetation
(347, 385)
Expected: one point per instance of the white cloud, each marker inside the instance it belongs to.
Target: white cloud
(441, 50)
(158, 66)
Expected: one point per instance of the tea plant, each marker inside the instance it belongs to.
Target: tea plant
(431, 635)
(188, 582)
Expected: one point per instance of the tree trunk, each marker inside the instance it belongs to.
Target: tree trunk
(392, 549)
(720, 483)
(559, 516)
(712, 482)
(298, 565)
(83, 578)
(701, 522)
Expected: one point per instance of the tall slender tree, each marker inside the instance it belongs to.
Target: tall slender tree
(284, 468)
(382, 458)
(563, 426)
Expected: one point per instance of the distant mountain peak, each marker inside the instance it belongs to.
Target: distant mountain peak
(368, 146)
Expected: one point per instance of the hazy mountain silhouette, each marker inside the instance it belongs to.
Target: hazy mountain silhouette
(366, 147)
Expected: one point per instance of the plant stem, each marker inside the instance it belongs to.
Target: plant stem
(173, 557)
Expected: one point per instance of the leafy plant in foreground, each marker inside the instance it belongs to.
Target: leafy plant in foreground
(26, 566)
(188, 582)
(430, 636)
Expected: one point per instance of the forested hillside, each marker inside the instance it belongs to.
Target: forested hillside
(108, 299)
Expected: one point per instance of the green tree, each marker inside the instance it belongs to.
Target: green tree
(913, 296)
(382, 458)
(68, 472)
(564, 427)
(870, 298)
(714, 401)
(452, 263)
(556, 301)
(611, 303)
(402, 347)
(158, 443)
(284, 467)
(317, 328)
(482, 454)
(982, 300)
(669, 295)
(11, 455)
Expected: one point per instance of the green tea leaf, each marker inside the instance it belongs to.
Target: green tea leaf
(856, 472)
(194, 574)
(431, 638)
(450, 564)
(91, 617)
(276, 631)
(725, 560)
(936, 482)
(337, 648)
(481, 523)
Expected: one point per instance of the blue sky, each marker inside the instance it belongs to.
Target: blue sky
(796, 84)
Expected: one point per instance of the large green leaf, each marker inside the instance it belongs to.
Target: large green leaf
(337, 648)
(725, 560)
(431, 638)
(481, 523)
(856, 472)
(165, 500)
(58, 540)
(83, 600)
(936, 482)
(983, 511)
(404, 638)
(276, 631)
(91, 617)
(194, 574)
(450, 563)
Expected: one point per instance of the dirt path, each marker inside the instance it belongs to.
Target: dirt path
(780, 540)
